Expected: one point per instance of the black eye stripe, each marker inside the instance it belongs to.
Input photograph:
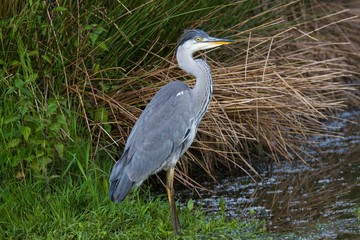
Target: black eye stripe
(193, 34)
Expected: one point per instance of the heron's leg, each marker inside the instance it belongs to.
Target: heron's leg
(170, 193)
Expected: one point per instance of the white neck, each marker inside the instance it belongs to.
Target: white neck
(202, 90)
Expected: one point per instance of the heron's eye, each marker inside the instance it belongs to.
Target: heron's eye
(198, 39)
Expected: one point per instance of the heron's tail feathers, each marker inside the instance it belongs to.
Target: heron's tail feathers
(120, 184)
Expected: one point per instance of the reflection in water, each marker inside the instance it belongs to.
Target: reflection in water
(318, 200)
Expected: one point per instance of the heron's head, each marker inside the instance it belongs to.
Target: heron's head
(195, 40)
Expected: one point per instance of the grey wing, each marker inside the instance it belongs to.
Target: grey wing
(161, 132)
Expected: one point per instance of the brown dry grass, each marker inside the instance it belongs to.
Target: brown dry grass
(271, 90)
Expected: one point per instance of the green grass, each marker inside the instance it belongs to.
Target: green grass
(73, 207)
(54, 177)
(51, 57)
(58, 67)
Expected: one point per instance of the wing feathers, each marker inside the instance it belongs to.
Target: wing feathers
(156, 140)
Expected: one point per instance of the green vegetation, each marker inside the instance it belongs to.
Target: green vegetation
(80, 209)
(73, 78)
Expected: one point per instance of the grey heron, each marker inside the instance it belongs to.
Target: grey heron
(167, 126)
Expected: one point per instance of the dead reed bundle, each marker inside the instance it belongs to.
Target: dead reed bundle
(271, 90)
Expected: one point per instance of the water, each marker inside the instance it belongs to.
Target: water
(319, 200)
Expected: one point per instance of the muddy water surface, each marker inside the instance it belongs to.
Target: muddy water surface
(319, 200)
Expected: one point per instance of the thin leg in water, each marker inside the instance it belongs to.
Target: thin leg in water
(170, 193)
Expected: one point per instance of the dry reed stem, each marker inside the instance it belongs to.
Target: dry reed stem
(271, 90)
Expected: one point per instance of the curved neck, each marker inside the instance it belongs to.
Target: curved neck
(202, 91)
